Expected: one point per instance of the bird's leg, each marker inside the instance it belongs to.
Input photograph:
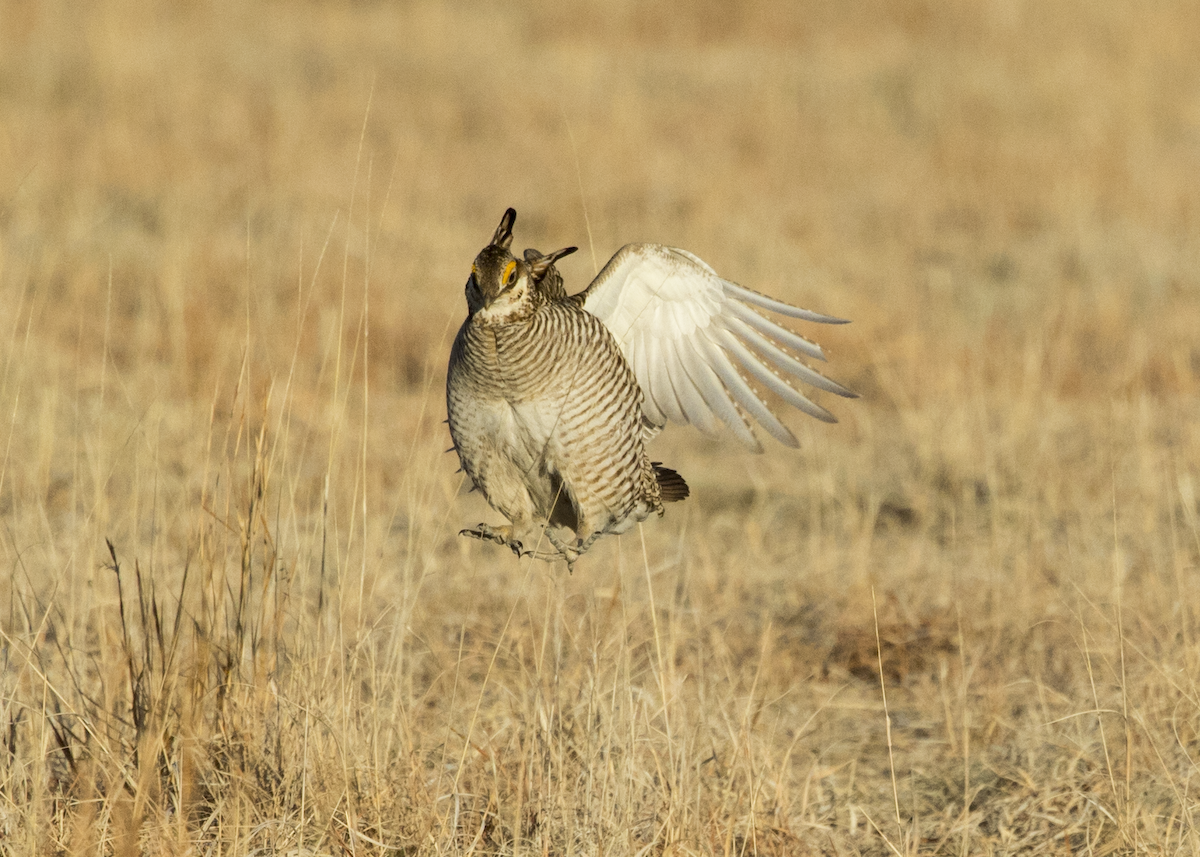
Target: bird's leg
(585, 544)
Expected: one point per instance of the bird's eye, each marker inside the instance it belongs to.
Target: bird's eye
(510, 275)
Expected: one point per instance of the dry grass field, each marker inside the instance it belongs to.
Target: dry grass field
(235, 617)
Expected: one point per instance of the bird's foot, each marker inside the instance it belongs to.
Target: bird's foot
(503, 536)
(488, 533)
(565, 551)
(572, 551)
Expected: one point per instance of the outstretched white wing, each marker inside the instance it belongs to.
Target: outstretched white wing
(689, 336)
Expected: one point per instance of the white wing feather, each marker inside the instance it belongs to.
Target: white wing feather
(692, 337)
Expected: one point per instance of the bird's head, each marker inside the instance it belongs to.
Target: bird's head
(503, 288)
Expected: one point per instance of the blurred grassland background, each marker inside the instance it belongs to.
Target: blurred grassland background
(236, 617)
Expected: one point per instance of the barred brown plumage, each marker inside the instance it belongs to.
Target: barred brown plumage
(551, 398)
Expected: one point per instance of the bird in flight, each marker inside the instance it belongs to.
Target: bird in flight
(551, 397)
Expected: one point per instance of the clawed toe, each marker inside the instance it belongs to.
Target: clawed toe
(487, 534)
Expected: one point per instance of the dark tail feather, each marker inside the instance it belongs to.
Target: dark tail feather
(670, 484)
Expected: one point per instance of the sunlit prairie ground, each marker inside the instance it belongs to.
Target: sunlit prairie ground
(233, 239)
